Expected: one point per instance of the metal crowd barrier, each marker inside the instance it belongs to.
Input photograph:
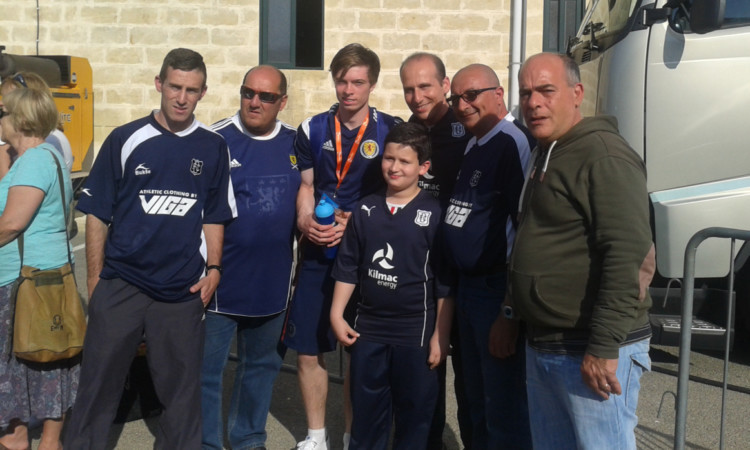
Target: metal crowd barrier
(686, 326)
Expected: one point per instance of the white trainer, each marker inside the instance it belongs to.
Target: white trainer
(311, 444)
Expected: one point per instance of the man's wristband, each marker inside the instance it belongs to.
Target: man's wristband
(220, 269)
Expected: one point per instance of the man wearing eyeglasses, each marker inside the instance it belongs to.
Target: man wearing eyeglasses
(338, 153)
(258, 263)
(479, 227)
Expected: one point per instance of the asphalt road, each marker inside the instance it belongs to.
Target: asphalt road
(656, 408)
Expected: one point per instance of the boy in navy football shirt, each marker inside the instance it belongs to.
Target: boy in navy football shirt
(401, 330)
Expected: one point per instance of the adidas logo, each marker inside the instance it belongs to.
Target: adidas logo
(328, 145)
(234, 163)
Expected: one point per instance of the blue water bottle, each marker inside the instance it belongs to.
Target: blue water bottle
(325, 214)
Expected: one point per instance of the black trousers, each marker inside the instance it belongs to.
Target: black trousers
(119, 316)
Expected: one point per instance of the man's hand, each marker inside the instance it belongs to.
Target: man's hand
(599, 375)
(503, 337)
(316, 233)
(344, 333)
(207, 285)
(327, 235)
(438, 350)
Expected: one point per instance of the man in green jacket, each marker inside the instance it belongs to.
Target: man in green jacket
(580, 268)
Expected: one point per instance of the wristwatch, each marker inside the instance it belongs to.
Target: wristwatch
(509, 313)
(214, 266)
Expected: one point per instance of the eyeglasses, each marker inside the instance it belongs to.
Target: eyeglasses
(3, 113)
(265, 97)
(20, 80)
(468, 96)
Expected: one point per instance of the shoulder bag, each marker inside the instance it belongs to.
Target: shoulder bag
(49, 322)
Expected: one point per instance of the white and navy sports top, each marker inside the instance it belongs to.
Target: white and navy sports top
(393, 258)
(156, 189)
(258, 258)
(480, 223)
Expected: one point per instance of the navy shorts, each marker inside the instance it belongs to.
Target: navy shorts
(308, 324)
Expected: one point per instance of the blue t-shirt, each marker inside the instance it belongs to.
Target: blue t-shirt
(156, 189)
(364, 176)
(393, 258)
(45, 241)
(258, 245)
(479, 225)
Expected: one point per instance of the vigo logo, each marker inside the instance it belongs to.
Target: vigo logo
(169, 205)
(457, 216)
(384, 257)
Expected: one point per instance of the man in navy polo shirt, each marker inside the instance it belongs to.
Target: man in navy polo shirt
(425, 86)
(156, 201)
(479, 227)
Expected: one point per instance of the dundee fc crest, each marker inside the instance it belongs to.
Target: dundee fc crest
(196, 166)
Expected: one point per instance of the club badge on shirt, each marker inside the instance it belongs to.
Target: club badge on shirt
(423, 218)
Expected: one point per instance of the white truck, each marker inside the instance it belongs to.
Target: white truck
(676, 74)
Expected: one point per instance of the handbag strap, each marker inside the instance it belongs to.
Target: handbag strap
(65, 211)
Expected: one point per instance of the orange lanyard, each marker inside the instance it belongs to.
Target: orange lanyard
(340, 174)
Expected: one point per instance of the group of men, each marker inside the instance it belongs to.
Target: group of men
(176, 249)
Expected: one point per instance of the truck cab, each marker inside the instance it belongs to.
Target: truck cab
(676, 74)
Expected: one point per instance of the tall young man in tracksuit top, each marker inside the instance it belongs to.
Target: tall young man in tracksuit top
(479, 227)
(159, 194)
(258, 264)
(338, 153)
(425, 86)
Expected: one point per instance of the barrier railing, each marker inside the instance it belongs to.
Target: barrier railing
(686, 326)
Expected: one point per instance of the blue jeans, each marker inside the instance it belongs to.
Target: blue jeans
(495, 388)
(261, 354)
(566, 414)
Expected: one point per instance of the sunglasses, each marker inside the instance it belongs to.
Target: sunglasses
(20, 80)
(468, 96)
(265, 97)
(3, 113)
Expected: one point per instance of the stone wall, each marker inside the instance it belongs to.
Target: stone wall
(125, 43)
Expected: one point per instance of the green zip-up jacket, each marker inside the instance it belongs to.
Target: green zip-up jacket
(583, 255)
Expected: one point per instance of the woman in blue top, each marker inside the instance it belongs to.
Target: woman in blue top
(30, 203)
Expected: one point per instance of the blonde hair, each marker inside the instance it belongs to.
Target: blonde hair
(32, 111)
(33, 81)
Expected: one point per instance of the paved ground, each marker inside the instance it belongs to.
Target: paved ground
(656, 409)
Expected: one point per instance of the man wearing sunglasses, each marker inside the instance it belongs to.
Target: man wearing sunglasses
(338, 153)
(258, 263)
(479, 227)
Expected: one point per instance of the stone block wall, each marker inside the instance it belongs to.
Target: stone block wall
(125, 42)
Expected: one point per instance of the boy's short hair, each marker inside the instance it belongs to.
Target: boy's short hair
(183, 59)
(356, 55)
(411, 135)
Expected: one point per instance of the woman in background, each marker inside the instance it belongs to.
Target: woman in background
(56, 137)
(30, 203)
